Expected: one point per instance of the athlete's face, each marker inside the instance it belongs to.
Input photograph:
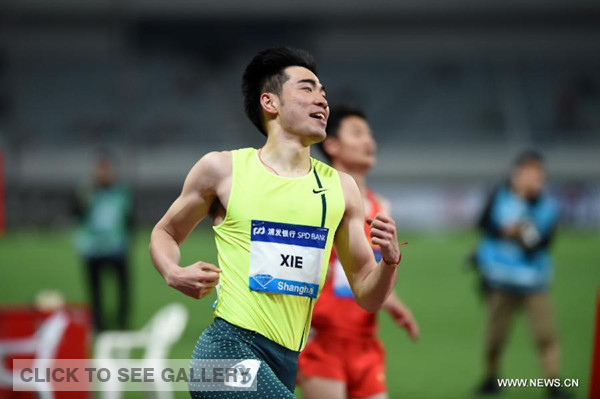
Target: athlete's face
(354, 145)
(302, 107)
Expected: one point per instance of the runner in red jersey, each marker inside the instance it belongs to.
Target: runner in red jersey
(343, 357)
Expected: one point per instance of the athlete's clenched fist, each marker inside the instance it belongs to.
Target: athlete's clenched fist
(196, 280)
(383, 233)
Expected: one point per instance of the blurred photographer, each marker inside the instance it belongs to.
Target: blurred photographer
(513, 257)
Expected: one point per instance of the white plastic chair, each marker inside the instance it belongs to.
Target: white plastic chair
(43, 345)
(157, 337)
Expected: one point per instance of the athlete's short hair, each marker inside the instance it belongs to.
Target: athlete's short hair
(337, 114)
(265, 73)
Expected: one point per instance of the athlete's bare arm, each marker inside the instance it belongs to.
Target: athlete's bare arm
(402, 315)
(371, 282)
(206, 188)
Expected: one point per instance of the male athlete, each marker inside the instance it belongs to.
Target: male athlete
(344, 358)
(276, 213)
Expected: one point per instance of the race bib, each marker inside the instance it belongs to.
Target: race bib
(341, 285)
(286, 258)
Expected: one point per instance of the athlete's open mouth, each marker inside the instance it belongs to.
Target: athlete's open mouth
(318, 115)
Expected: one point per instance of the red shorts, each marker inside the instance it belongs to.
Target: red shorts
(359, 362)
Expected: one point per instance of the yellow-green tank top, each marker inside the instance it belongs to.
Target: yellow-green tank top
(288, 224)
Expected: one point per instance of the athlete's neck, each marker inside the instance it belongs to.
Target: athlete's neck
(286, 157)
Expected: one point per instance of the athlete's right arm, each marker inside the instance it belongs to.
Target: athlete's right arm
(208, 181)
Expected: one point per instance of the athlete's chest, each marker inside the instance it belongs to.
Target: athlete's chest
(297, 203)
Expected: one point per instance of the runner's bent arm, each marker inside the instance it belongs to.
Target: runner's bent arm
(371, 282)
(200, 190)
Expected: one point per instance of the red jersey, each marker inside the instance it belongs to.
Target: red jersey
(336, 312)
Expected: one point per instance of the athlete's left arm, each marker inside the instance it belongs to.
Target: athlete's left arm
(402, 315)
(371, 282)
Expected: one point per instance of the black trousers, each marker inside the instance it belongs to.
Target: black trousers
(96, 267)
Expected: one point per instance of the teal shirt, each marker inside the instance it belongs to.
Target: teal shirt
(104, 229)
(504, 262)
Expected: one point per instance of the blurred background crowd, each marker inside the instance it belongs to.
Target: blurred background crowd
(453, 91)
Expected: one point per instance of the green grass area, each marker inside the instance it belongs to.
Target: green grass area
(434, 282)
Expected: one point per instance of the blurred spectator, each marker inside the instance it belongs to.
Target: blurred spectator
(518, 224)
(103, 236)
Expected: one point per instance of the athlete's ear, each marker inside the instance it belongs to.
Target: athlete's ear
(331, 146)
(269, 102)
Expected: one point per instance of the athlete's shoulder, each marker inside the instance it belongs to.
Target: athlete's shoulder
(209, 170)
(246, 151)
(217, 162)
(323, 169)
(346, 179)
(352, 195)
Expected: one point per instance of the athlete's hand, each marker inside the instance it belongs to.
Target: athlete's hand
(403, 317)
(196, 280)
(383, 234)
